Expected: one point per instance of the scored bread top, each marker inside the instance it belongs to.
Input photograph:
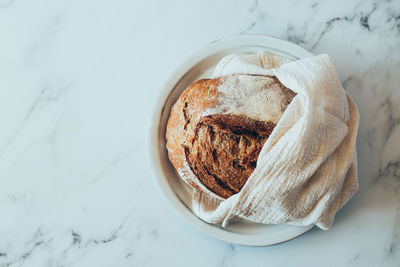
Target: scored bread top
(218, 127)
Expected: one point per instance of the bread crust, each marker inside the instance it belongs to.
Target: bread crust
(217, 152)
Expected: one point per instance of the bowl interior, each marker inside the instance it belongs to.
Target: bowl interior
(177, 193)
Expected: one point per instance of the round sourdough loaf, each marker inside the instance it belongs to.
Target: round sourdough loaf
(218, 127)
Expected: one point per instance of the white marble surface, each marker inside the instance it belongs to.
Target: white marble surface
(77, 82)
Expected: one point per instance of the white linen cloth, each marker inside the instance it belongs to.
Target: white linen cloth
(307, 169)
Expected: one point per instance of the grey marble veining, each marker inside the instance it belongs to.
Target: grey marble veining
(77, 83)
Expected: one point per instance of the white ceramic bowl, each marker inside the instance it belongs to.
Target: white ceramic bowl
(177, 194)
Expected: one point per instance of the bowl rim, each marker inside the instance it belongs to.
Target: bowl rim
(154, 152)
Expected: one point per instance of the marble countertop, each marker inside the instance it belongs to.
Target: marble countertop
(77, 82)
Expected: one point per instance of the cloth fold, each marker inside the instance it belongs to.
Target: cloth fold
(307, 169)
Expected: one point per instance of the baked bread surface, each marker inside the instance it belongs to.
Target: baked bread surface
(217, 151)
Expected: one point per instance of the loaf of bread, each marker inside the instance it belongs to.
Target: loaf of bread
(217, 129)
